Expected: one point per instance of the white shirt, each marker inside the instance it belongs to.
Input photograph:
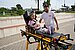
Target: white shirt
(48, 18)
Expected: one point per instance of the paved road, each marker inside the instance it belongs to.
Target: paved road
(68, 27)
(16, 42)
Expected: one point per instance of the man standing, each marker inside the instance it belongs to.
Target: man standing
(49, 18)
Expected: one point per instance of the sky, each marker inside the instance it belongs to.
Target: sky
(55, 4)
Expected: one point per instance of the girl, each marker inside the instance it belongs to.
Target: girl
(32, 21)
(34, 26)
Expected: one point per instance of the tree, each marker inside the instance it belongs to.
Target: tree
(20, 12)
(18, 6)
(48, 1)
(13, 8)
(3, 11)
(73, 7)
(19, 9)
(13, 11)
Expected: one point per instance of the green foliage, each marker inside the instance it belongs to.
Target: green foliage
(20, 12)
(2, 9)
(48, 1)
(19, 9)
(73, 8)
(18, 6)
(39, 12)
(14, 11)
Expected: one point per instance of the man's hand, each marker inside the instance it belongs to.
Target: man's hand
(56, 23)
(57, 28)
(40, 20)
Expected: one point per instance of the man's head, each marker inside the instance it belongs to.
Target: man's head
(46, 6)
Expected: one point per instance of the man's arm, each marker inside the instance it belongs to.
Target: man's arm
(56, 23)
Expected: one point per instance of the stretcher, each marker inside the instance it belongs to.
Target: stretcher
(46, 41)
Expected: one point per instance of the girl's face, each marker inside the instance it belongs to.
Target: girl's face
(33, 16)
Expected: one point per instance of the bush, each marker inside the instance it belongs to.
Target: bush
(20, 12)
(39, 12)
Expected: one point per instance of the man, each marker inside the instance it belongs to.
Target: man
(49, 18)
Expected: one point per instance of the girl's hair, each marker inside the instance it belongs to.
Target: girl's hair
(31, 13)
